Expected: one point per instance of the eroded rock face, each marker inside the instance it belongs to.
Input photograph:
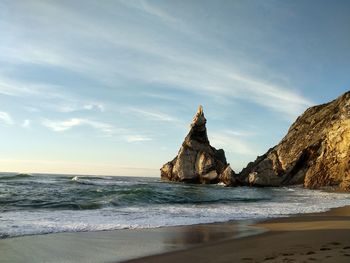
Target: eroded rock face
(315, 152)
(197, 161)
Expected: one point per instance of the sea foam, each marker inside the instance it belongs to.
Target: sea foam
(54, 204)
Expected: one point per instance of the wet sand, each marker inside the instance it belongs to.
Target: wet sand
(322, 237)
(115, 246)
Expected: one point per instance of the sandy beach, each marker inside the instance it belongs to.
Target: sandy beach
(117, 245)
(321, 237)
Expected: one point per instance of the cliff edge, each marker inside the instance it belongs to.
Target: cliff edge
(315, 152)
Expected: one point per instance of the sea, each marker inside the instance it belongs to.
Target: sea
(32, 204)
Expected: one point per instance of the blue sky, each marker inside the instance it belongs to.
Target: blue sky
(110, 87)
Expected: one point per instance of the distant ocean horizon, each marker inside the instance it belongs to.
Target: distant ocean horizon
(54, 203)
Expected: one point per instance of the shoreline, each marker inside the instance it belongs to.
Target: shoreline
(176, 243)
(313, 237)
(116, 245)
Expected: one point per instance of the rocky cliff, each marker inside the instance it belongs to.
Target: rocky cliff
(315, 152)
(197, 161)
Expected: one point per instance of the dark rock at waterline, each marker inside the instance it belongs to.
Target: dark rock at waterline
(197, 161)
(315, 152)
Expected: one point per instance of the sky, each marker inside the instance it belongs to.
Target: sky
(110, 87)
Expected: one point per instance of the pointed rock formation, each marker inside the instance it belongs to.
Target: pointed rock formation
(197, 161)
(315, 152)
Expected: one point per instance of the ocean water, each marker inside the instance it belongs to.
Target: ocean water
(38, 204)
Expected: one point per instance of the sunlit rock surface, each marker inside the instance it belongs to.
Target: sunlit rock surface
(315, 152)
(197, 161)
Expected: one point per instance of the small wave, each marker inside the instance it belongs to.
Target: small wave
(82, 180)
(23, 175)
(15, 176)
(75, 178)
(80, 177)
(4, 235)
(62, 205)
(74, 206)
(78, 180)
(289, 189)
(97, 181)
(83, 203)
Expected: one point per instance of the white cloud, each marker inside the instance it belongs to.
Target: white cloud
(159, 96)
(105, 128)
(65, 102)
(72, 105)
(26, 123)
(92, 106)
(153, 115)
(6, 118)
(240, 133)
(60, 126)
(64, 108)
(137, 138)
(15, 88)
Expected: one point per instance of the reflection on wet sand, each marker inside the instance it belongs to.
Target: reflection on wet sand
(186, 236)
(115, 246)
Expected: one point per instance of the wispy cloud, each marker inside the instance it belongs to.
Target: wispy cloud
(72, 105)
(239, 133)
(26, 123)
(6, 118)
(159, 96)
(64, 102)
(61, 126)
(232, 144)
(153, 115)
(93, 106)
(137, 138)
(205, 73)
(142, 65)
(150, 9)
(211, 78)
(15, 88)
(175, 66)
(106, 129)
